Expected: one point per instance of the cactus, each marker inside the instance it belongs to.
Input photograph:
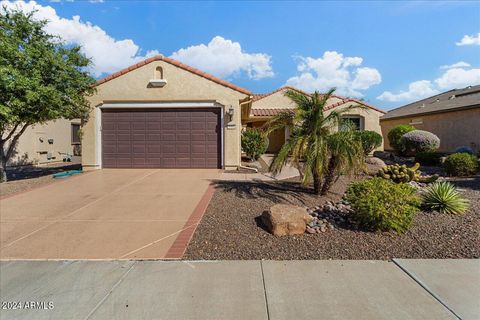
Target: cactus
(402, 174)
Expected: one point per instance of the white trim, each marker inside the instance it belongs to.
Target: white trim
(154, 105)
(146, 105)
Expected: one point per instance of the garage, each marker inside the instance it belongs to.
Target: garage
(161, 138)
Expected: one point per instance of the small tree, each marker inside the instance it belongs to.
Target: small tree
(41, 79)
(313, 141)
(254, 143)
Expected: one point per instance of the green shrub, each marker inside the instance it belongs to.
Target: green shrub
(428, 158)
(445, 198)
(461, 164)
(370, 140)
(419, 141)
(379, 204)
(254, 143)
(395, 136)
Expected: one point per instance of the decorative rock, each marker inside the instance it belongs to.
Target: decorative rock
(283, 219)
(375, 161)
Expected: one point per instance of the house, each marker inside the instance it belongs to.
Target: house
(454, 116)
(265, 106)
(160, 113)
(48, 142)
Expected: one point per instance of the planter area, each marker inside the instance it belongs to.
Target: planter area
(232, 227)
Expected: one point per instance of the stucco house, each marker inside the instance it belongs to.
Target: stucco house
(454, 116)
(46, 143)
(265, 106)
(160, 113)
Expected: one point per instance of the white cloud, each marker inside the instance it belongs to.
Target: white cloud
(469, 40)
(416, 90)
(225, 58)
(453, 77)
(107, 53)
(460, 64)
(457, 78)
(334, 70)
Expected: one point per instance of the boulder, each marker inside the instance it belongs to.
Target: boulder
(375, 161)
(284, 219)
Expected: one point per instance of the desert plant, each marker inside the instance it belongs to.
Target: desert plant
(464, 149)
(254, 143)
(419, 141)
(428, 158)
(370, 140)
(460, 164)
(403, 174)
(395, 135)
(325, 155)
(445, 198)
(379, 204)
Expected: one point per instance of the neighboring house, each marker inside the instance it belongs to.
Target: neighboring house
(160, 113)
(45, 143)
(454, 116)
(265, 106)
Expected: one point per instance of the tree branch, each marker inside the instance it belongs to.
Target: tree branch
(10, 134)
(14, 141)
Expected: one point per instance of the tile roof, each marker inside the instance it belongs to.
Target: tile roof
(269, 112)
(177, 64)
(443, 102)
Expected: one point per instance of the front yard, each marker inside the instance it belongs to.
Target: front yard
(231, 228)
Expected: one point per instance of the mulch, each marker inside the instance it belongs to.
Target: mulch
(231, 228)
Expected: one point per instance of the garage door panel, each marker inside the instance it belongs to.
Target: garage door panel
(163, 138)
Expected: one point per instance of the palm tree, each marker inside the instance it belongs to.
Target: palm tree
(325, 153)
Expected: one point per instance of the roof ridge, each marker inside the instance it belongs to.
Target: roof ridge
(177, 64)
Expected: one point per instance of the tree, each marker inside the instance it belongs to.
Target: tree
(315, 142)
(41, 79)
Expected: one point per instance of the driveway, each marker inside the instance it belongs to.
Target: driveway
(107, 214)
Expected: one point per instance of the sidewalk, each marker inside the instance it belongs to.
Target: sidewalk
(403, 289)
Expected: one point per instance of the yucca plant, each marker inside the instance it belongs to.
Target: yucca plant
(445, 198)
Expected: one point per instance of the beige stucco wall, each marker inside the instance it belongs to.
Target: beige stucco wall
(182, 86)
(31, 150)
(457, 128)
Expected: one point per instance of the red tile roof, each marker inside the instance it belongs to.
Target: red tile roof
(259, 96)
(177, 64)
(269, 112)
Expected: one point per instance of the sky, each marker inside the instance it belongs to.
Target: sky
(386, 53)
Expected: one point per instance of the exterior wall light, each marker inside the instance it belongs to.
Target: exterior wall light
(230, 112)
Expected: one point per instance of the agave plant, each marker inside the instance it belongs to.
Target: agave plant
(445, 198)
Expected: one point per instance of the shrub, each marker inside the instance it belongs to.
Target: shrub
(420, 141)
(379, 204)
(370, 140)
(460, 164)
(395, 136)
(254, 143)
(464, 149)
(428, 158)
(445, 198)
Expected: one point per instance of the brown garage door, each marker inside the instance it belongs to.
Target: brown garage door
(165, 138)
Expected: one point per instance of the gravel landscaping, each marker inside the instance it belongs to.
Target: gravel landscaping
(231, 228)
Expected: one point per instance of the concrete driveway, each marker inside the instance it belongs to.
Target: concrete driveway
(107, 214)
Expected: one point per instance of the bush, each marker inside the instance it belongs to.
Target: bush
(445, 198)
(395, 136)
(254, 143)
(370, 140)
(379, 204)
(460, 164)
(464, 149)
(420, 141)
(428, 158)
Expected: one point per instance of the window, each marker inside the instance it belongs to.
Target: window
(356, 121)
(75, 133)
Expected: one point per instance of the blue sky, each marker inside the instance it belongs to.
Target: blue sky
(386, 53)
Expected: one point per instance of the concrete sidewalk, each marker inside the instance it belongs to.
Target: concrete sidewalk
(403, 289)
